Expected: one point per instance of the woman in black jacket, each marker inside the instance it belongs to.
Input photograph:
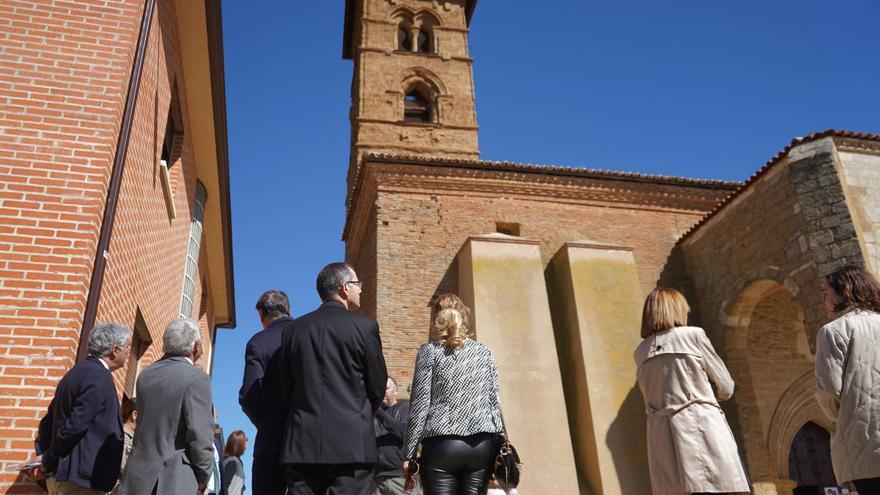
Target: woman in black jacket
(455, 410)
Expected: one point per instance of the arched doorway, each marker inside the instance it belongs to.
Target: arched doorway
(766, 351)
(809, 460)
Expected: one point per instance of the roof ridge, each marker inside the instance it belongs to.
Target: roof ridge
(581, 171)
(813, 136)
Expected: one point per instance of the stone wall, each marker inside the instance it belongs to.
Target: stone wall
(754, 272)
(860, 173)
(383, 74)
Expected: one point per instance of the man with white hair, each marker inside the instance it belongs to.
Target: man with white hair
(81, 435)
(173, 449)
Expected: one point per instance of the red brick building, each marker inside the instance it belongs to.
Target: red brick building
(555, 262)
(114, 190)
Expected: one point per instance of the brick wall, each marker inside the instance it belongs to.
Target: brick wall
(64, 70)
(419, 231)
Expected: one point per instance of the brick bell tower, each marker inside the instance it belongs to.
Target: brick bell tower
(412, 90)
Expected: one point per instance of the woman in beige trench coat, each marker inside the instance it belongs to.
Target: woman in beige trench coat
(690, 446)
(848, 375)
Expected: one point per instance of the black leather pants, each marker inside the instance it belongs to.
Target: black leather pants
(453, 465)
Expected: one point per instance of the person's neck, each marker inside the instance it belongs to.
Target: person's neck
(268, 321)
(338, 299)
(106, 360)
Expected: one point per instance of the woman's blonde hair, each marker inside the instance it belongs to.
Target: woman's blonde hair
(450, 300)
(449, 329)
(664, 309)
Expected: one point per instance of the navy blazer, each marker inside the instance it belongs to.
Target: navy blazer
(81, 434)
(260, 395)
(333, 378)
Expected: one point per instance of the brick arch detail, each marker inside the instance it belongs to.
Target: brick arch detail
(747, 314)
(420, 76)
(796, 408)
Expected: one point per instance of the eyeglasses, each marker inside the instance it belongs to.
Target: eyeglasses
(357, 283)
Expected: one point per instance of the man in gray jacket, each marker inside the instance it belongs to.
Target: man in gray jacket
(173, 451)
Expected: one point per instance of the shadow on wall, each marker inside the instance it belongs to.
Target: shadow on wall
(625, 440)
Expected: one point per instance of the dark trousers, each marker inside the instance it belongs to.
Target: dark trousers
(868, 486)
(267, 476)
(453, 465)
(329, 479)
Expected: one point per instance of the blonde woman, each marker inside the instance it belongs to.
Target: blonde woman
(455, 410)
(690, 446)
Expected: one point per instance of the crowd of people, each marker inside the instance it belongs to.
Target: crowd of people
(329, 420)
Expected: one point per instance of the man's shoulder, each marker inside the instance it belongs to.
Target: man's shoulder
(182, 370)
(267, 337)
(334, 315)
(88, 369)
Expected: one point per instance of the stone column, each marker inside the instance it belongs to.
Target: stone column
(596, 301)
(502, 279)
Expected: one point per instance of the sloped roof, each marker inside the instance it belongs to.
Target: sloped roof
(529, 168)
(772, 162)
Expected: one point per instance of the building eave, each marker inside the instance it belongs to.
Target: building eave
(526, 168)
(778, 158)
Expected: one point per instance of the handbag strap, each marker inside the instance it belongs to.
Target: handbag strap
(503, 426)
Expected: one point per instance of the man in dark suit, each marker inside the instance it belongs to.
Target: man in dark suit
(173, 452)
(333, 380)
(81, 435)
(260, 395)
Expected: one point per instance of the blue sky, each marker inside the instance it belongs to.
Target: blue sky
(690, 88)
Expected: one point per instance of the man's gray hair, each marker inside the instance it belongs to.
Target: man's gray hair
(332, 277)
(106, 336)
(180, 336)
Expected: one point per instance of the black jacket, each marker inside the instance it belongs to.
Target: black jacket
(390, 425)
(333, 378)
(81, 434)
(260, 395)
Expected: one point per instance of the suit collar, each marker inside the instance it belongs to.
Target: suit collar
(98, 362)
(182, 359)
(332, 304)
(278, 322)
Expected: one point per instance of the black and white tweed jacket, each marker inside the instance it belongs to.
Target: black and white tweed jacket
(454, 392)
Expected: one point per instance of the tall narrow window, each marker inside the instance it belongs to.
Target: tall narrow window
(416, 108)
(423, 42)
(403, 40)
(140, 342)
(172, 144)
(192, 253)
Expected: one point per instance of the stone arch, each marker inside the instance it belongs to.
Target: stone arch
(426, 84)
(796, 408)
(419, 76)
(766, 350)
(403, 19)
(425, 22)
(413, 24)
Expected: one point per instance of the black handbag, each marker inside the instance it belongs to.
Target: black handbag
(507, 465)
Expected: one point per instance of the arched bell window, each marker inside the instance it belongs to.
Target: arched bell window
(423, 43)
(416, 108)
(403, 39)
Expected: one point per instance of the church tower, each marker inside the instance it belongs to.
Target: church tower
(412, 90)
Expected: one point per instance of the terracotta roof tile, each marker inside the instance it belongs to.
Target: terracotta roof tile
(773, 161)
(529, 168)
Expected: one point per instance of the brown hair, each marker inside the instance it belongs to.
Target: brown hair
(664, 309)
(449, 329)
(235, 444)
(449, 300)
(129, 406)
(856, 287)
